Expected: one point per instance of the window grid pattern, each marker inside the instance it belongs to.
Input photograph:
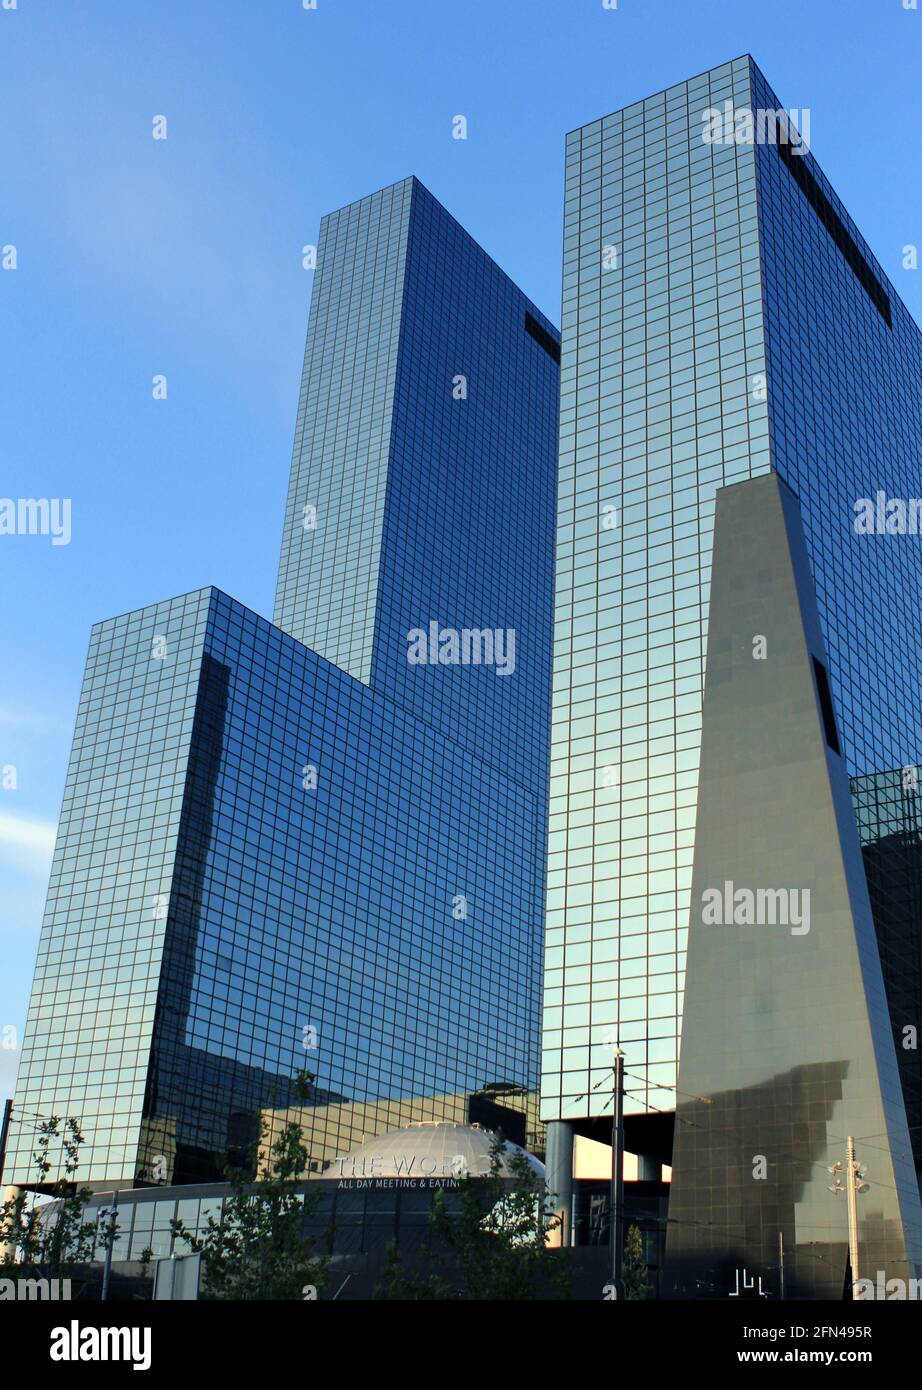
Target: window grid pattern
(816, 344)
(475, 400)
(663, 401)
(353, 867)
(832, 362)
(328, 572)
(91, 1015)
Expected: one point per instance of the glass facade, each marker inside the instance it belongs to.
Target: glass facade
(275, 858)
(328, 570)
(343, 1223)
(890, 829)
(722, 316)
(845, 399)
(662, 339)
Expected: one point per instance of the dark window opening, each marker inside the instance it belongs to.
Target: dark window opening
(541, 336)
(797, 166)
(826, 708)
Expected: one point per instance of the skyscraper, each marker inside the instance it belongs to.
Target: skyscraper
(318, 844)
(724, 319)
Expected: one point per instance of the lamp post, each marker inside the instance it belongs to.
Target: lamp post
(107, 1267)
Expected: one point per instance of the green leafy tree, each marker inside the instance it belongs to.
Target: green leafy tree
(55, 1243)
(258, 1249)
(493, 1246)
(634, 1273)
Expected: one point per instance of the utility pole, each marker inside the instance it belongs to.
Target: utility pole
(4, 1131)
(107, 1267)
(851, 1180)
(616, 1222)
(781, 1264)
(854, 1183)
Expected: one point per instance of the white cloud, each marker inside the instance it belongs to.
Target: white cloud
(27, 719)
(35, 838)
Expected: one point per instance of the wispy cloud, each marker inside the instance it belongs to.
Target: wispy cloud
(22, 835)
(26, 719)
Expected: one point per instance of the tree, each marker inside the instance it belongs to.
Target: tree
(51, 1244)
(634, 1273)
(492, 1247)
(258, 1249)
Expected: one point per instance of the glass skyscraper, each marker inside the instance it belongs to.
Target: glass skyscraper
(318, 844)
(663, 348)
(722, 319)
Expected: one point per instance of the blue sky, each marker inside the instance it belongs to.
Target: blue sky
(182, 257)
